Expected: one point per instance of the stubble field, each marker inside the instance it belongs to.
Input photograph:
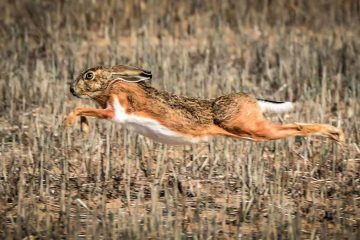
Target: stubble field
(114, 184)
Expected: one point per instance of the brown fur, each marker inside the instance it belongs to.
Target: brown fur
(235, 115)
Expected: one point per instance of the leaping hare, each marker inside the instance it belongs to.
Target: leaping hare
(125, 97)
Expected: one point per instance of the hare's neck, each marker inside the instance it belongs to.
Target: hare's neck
(140, 90)
(102, 99)
(156, 93)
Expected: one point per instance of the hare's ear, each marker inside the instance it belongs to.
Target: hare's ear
(132, 76)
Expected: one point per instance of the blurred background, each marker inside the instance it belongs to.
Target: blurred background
(115, 184)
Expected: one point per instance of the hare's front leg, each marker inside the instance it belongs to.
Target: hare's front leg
(89, 112)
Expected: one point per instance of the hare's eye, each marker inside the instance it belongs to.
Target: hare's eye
(89, 76)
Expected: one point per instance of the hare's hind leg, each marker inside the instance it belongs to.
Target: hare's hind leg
(263, 130)
(271, 131)
(307, 129)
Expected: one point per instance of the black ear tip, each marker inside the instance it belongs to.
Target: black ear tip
(146, 74)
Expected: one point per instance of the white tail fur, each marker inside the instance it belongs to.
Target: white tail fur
(272, 106)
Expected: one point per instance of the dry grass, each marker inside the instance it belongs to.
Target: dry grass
(115, 184)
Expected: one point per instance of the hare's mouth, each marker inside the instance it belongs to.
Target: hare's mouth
(76, 94)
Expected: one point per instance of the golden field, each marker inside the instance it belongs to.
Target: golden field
(113, 184)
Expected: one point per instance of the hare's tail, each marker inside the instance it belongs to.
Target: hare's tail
(273, 106)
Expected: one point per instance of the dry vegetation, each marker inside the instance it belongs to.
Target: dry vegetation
(115, 184)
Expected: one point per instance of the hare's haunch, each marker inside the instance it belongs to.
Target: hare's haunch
(126, 97)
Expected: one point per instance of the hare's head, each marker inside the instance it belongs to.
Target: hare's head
(95, 81)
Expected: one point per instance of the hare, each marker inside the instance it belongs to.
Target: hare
(125, 96)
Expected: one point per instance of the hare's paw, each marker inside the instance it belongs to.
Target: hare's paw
(336, 134)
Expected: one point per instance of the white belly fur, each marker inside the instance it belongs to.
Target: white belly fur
(151, 128)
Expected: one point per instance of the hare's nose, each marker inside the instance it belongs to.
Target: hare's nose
(72, 90)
